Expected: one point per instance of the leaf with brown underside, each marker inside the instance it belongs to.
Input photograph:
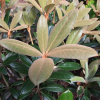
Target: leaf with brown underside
(20, 27)
(61, 29)
(41, 70)
(15, 20)
(42, 33)
(72, 51)
(3, 30)
(20, 47)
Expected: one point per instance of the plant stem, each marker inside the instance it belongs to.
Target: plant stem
(38, 87)
(29, 31)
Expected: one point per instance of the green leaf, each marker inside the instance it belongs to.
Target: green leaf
(71, 7)
(54, 88)
(42, 33)
(72, 51)
(20, 47)
(59, 12)
(42, 3)
(67, 95)
(25, 60)
(57, 60)
(12, 3)
(74, 36)
(26, 87)
(95, 93)
(80, 90)
(41, 70)
(19, 67)
(35, 96)
(15, 20)
(61, 30)
(47, 96)
(35, 4)
(3, 30)
(81, 23)
(87, 93)
(97, 79)
(26, 17)
(83, 13)
(6, 18)
(17, 83)
(20, 27)
(61, 75)
(85, 98)
(14, 92)
(77, 79)
(10, 57)
(3, 70)
(69, 66)
(3, 24)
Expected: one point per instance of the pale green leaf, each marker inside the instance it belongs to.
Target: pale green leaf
(49, 7)
(93, 26)
(23, 5)
(42, 3)
(72, 51)
(3, 24)
(59, 12)
(3, 30)
(12, 3)
(20, 27)
(50, 1)
(83, 13)
(62, 29)
(98, 38)
(77, 79)
(41, 70)
(35, 4)
(74, 36)
(26, 17)
(97, 79)
(15, 20)
(42, 33)
(66, 3)
(98, 5)
(20, 47)
(71, 7)
(76, 2)
(81, 23)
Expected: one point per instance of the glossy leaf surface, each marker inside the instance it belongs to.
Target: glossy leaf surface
(72, 51)
(19, 47)
(41, 70)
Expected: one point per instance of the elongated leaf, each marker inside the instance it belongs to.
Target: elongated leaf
(3, 24)
(76, 2)
(81, 23)
(92, 32)
(67, 95)
(59, 12)
(41, 70)
(3, 30)
(26, 17)
(42, 3)
(20, 27)
(97, 79)
(87, 93)
(42, 33)
(80, 4)
(94, 9)
(74, 36)
(12, 3)
(23, 5)
(98, 38)
(61, 29)
(20, 47)
(35, 4)
(77, 79)
(6, 19)
(72, 51)
(15, 20)
(66, 3)
(98, 5)
(71, 7)
(35, 96)
(3, 70)
(54, 88)
(93, 26)
(83, 12)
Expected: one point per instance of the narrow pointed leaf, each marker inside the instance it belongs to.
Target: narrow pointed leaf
(81, 23)
(6, 19)
(72, 51)
(61, 29)
(20, 47)
(26, 17)
(97, 79)
(71, 7)
(20, 27)
(94, 9)
(98, 5)
(23, 5)
(35, 4)
(80, 4)
(3, 30)
(77, 79)
(66, 3)
(50, 1)
(3, 24)
(12, 3)
(59, 12)
(15, 20)
(42, 3)
(42, 33)
(67, 95)
(98, 38)
(92, 32)
(74, 36)
(82, 13)
(41, 70)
